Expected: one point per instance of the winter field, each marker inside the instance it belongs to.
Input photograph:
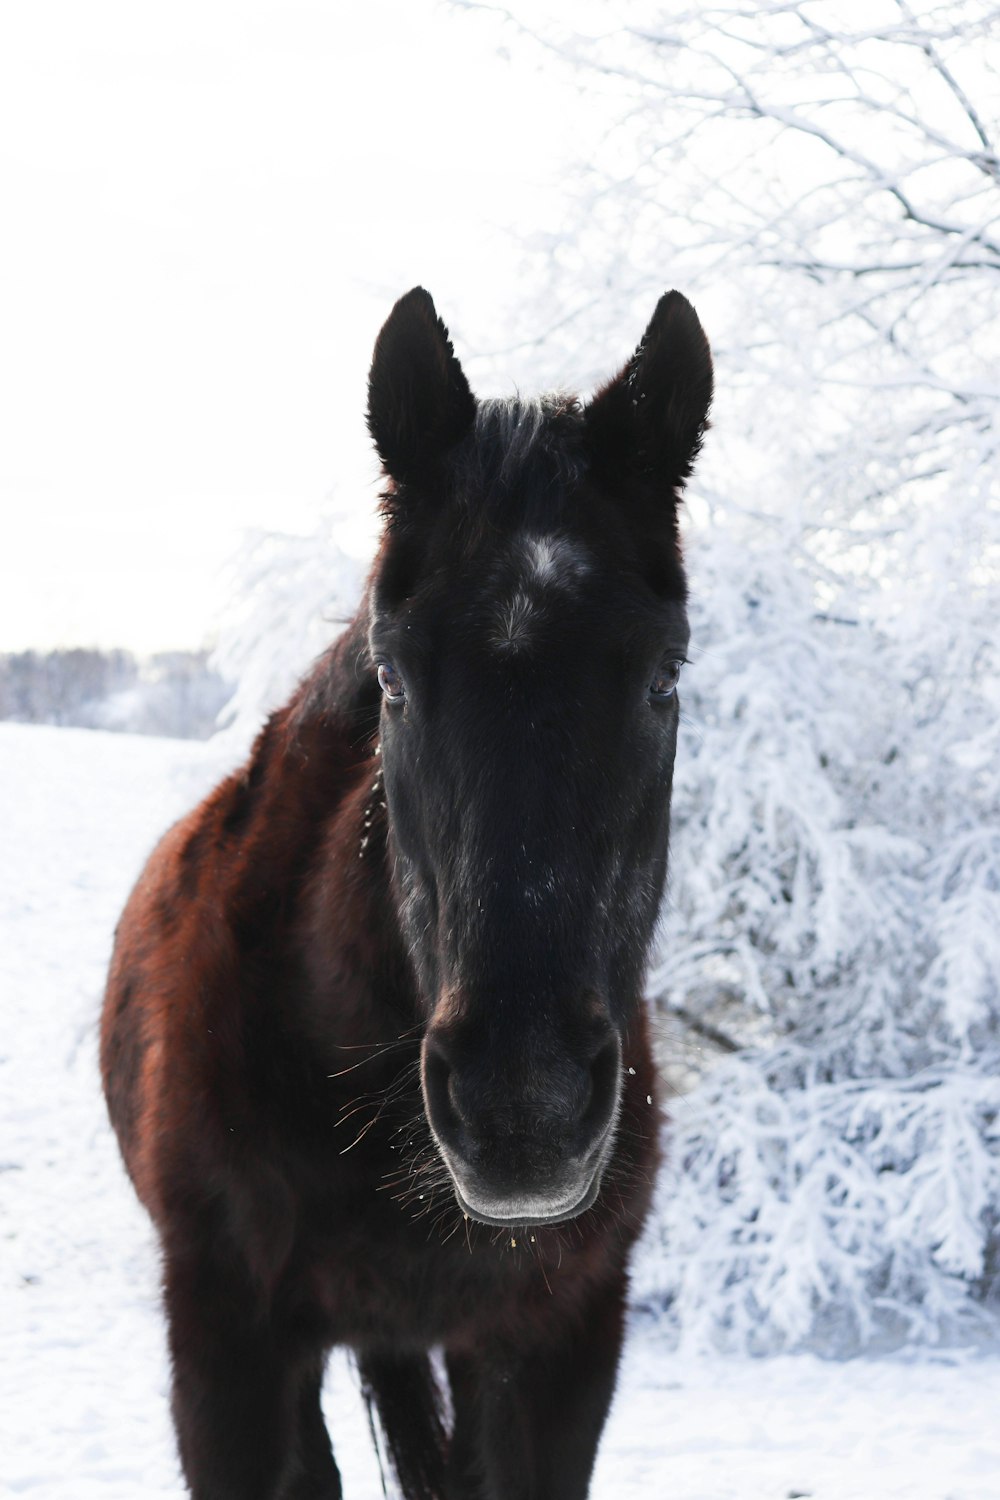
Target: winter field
(83, 1399)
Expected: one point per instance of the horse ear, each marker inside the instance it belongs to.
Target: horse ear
(652, 416)
(419, 401)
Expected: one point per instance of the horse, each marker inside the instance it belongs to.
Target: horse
(374, 1044)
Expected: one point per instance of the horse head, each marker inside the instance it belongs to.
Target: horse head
(528, 626)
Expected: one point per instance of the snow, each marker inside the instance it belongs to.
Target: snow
(83, 1378)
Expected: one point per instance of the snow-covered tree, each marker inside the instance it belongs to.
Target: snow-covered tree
(823, 180)
(289, 594)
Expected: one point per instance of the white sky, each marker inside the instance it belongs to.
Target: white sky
(208, 209)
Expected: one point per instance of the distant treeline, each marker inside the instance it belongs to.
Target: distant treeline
(173, 693)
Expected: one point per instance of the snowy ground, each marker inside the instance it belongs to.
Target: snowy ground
(83, 1407)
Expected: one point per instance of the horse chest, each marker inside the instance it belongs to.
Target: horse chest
(379, 1259)
(384, 1278)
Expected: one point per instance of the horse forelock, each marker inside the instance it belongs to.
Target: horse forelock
(505, 499)
(523, 451)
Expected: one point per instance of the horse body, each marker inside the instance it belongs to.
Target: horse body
(372, 1042)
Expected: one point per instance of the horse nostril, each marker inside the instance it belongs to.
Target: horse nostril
(439, 1091)
(482, 1107)
(605, 1079)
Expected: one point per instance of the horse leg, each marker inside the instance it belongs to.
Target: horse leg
(528, 1422)
(246, 1413)
(465, 1475)
(316, 1475)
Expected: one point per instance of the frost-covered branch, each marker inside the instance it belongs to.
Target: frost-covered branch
(823, 182)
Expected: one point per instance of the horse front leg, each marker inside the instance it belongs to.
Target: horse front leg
(315, 1475)
(246, 1398)
(528, 1418)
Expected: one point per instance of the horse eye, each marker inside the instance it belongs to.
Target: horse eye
(391, 683)
(665, 679)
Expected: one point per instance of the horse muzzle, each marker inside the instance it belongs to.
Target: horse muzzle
(526, 1141)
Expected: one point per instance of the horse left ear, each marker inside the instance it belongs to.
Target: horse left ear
(652, 416)
(419, 401)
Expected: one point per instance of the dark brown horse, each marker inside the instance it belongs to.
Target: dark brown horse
(373, 1042)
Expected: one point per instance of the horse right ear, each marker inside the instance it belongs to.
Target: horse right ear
(419, 401)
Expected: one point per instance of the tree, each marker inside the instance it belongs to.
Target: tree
(823, 180)
(288, 596)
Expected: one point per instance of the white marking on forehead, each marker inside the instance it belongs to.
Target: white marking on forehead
(546, 563)
(554, 560)
(514, 620)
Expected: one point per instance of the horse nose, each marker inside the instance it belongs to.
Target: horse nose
(468, 1086)
(521, 1124)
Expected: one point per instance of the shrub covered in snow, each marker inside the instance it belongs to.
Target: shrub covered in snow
(834, 915)
(288, 595)
(826, 186)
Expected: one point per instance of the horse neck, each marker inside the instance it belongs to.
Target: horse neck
(358, 989)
